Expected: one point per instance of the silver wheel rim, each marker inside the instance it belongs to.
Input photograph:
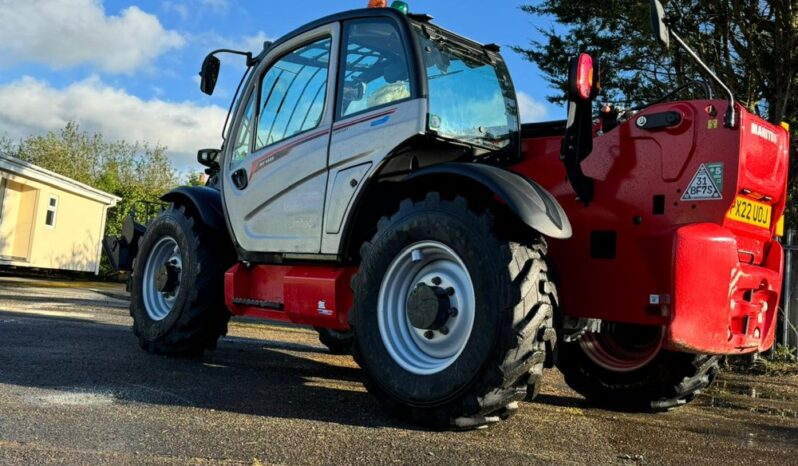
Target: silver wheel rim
(159, 297)
(433, 264)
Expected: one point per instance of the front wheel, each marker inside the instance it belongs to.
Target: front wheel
(177, 294)
(450, 317)
(624, 367)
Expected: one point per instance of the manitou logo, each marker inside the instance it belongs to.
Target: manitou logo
(764, 133)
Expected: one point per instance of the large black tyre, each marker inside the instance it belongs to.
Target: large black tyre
(178, 309)
(512, 317)
(671, 379)
(336, 341)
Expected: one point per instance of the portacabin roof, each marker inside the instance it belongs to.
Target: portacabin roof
(25, 169)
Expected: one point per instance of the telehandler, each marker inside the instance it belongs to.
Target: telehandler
(375, 183)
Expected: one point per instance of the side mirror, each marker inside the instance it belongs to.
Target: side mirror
(354, 91)
(661, 31)
(209, 74)
(208, 157)
(584, 82)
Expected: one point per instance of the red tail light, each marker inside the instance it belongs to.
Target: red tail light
(584, 76)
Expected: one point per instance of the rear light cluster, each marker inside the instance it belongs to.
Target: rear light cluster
(584, 76)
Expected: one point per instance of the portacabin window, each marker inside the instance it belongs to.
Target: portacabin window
(52, 211)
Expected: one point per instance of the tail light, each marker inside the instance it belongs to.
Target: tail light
(584, 76)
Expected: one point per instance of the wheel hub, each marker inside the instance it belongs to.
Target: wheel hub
(161, 278)
(428, 307)
(168, 277)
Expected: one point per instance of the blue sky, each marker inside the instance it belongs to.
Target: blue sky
(128, 69)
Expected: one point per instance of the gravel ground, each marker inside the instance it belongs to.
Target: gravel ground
(76, 389)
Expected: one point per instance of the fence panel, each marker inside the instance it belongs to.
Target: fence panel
(788, 317)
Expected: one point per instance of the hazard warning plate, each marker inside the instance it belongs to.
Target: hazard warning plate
(750, 212)
(706, 185)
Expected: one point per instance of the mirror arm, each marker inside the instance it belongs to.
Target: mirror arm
(730, 120)
(248, 55)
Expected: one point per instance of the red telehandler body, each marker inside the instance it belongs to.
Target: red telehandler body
(375, 183)
(675, 253)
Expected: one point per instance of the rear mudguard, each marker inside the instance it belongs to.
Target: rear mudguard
(533, 205)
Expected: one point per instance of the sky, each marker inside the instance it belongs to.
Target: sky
(129, 69)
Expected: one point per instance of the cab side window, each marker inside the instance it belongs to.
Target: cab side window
(244, 135)
(375, 70)
(292, 93)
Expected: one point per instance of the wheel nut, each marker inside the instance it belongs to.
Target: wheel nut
(429, 334)
(444, 330)
(436, 281)
(450, 291)
(453, 312)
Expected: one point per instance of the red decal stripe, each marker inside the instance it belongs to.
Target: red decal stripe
(260, 162)
(347, 124)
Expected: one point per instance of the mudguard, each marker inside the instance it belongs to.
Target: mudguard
(528, 200)
(207, 202)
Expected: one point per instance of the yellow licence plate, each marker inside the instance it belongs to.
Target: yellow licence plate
(750, 212)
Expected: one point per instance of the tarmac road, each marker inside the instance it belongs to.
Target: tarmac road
(76, 389)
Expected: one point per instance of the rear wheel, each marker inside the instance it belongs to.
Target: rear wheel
(177, 294)
(624, 367)
(449, 317)
(336, 341)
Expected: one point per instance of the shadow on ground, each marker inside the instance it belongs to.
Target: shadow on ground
(243, 376)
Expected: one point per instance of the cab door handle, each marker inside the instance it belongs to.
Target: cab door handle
(240, 178)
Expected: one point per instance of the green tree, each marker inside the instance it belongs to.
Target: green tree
(133, 171)
(195, 178)
(751, 44)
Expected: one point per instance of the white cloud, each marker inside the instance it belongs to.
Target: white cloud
(31, 106)
(254, 43)
(531, 110)
(212, 40)
(218, 5)
(180, 9)
(195, 8)
(66, 33)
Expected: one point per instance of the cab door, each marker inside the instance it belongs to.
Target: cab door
(275, 165)
(378, 108)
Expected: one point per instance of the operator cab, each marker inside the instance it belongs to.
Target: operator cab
(357, 95)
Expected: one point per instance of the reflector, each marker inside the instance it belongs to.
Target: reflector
(584, 76)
